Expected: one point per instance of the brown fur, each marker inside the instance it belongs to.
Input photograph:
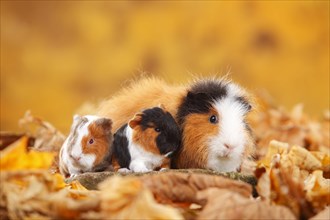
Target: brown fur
(100, 145)
(143, 94)
(196, 131)
(166, 163)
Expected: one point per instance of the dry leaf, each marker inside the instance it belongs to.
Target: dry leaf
(226, 204)
(128, 198)
(47, 137)
(17, 157)
(304, 159)
(182, 187)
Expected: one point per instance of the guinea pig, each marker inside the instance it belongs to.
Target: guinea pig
(88, 146)
(213, 121)
(146, 142)
(211, 113)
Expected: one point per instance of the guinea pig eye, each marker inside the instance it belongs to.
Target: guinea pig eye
(214, 119)
(157, 129)
(91, 141)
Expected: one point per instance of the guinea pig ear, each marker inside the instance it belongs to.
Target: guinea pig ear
(106, 124)
(162, 106)
(136, 120)
(76, 117)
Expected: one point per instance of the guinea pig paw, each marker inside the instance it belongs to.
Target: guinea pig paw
(141, 169)
(124, 170)
(163, 169)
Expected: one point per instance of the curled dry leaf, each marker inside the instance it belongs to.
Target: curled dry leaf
(128, 198)
(17, 157)
(183, 187)
(47, 137)
(303, 159)
(226, 204)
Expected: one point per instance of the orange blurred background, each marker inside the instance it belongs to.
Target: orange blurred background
(55, 56)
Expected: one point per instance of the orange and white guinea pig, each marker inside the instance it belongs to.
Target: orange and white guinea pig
(146, 142)
(88, 146)
(211, 114)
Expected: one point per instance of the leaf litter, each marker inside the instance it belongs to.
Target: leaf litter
(292, 172)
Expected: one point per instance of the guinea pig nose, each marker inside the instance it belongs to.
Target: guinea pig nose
(75, 157)
(228, 146)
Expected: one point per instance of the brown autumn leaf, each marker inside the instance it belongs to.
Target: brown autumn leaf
(226, 204)
(47, 137)
(183, 187)
(128, 198)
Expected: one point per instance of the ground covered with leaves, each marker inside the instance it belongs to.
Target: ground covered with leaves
(292, 169)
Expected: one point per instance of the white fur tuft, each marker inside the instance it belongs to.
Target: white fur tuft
(141, 160)
(232, 132)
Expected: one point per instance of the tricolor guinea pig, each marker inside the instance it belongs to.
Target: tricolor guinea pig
(211, 113)
(146, 142)
(213, 121)
(88, 146)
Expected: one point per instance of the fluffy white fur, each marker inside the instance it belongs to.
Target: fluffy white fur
(141, 160)
(231, 133)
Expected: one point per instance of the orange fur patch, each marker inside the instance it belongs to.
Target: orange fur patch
(142, 94)
(101, 144)
(197, 130)
(146, 139)
(115, 163)
(166, 163)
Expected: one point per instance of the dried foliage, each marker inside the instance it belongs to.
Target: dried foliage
(46, 136)
(295, 128)
(293, 180)
(293, 176)
(227, 204)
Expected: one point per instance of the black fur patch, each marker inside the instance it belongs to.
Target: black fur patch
(120, 147)
(200, 97)
(169, 138)
(245, 103)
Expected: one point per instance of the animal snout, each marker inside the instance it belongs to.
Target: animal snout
(77, 158)
(229, 146)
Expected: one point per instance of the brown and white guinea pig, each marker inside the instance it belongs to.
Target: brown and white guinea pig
(88, 146)
(211, 114)
(146, 142)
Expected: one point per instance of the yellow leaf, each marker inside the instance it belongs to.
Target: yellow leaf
(58, 179)
(17, 157)
(76, 185)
